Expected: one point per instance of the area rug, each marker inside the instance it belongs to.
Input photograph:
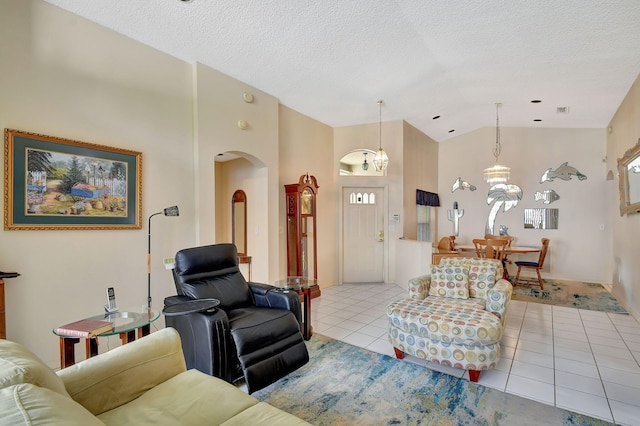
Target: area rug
(346, 385)
(573, 294)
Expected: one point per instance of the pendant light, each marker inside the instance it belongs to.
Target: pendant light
(365, 165)
(497, 173)
(380, 160)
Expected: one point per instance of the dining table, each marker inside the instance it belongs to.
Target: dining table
(508, 251)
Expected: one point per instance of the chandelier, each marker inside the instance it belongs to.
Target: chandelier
(381, 159)
(365, 165)
(497, 173)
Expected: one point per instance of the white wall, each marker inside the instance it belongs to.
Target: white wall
(577, 246)
(625, 133)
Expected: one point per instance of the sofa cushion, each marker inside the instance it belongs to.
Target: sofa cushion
(190, 398)
(446, 320)
(19, 365)
(449, 281)
(28, 404)
(264, 414)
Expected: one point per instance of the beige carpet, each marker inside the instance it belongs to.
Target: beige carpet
(574, 294)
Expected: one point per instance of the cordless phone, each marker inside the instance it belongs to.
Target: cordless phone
(111, 305)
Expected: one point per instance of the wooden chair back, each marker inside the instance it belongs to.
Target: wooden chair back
(507, 238)
(446, 244)
(491, 248)
(543, 252)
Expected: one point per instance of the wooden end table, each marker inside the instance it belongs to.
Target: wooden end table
(125, 323)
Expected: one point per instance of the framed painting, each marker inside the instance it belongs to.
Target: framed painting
(56, 183)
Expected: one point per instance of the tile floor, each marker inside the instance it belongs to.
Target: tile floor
(584, 361)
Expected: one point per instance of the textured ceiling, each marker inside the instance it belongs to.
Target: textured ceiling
(332, 60)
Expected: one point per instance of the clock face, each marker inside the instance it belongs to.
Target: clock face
(306, 200)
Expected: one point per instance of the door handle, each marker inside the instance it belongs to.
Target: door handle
(380, 236)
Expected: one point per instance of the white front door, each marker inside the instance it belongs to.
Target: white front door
(363, 235)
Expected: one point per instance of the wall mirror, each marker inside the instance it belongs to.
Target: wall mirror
(239, 221)
(629, 181)
(359, 162)
(540, 218)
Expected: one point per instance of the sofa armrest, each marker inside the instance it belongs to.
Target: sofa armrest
(269, 296)
(498, 298)
(123, 374)
(419, 287)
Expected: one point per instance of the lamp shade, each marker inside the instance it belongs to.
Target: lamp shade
(497, 174)
(381, 160)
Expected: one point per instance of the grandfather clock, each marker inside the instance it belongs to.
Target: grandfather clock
(301, 229)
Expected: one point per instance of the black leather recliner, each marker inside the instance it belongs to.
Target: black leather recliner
(254, 332)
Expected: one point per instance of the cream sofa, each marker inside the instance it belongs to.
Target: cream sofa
(454, 316)
(142, 383)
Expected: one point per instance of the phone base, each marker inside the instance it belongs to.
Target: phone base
(110, 310)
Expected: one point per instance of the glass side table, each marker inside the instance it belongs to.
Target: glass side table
(125, 323)
(302, 286)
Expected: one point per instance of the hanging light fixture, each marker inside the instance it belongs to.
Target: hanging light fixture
(497, 173)
(381, 159)
(365, 165)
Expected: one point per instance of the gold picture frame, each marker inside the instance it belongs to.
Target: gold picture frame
(56, 183)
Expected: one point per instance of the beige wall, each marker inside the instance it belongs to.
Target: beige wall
(306, 146)
(577, 246)
(625, 133)
(420, 172)
(66, 77)
(367, 136)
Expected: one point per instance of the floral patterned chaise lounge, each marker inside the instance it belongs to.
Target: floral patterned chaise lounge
(455, 316)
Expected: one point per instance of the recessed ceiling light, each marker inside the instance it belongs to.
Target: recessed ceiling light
(536, 101)
(436, 117)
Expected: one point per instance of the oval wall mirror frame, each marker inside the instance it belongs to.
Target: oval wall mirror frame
(239, 221)
(629, 180)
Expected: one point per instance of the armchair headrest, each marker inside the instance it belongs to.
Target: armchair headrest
(215, 259)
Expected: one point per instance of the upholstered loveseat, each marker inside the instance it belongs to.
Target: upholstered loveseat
(141, 383)
(454, 316)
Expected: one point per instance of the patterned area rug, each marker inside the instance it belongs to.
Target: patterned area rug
(573, 294)
(347, 385)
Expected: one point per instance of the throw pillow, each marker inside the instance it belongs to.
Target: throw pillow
(28, 404)
(19, 365)
(449, 281)
(482, 277)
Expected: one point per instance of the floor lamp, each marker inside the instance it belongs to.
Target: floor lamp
(169, 211)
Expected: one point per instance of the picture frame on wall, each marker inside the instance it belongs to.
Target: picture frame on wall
(55, 183)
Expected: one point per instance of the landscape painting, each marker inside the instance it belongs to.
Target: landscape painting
(55, 183)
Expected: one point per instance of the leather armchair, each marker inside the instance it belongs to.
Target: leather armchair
(253, 333)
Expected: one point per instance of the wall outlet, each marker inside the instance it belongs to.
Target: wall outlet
(169, 263)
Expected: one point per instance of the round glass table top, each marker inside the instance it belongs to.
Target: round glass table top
(296, 283)
(124, 321)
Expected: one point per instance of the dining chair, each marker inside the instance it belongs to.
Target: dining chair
(490, 249)
(534, 265)
(505, 258)
(445, 248)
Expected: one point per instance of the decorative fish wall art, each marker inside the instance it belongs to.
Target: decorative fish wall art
(547, 196)
(564, 172)
(461, 184)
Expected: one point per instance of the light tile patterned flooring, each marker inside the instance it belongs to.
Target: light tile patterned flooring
(584, 361)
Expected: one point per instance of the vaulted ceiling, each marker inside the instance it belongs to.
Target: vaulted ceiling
(333, 60)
